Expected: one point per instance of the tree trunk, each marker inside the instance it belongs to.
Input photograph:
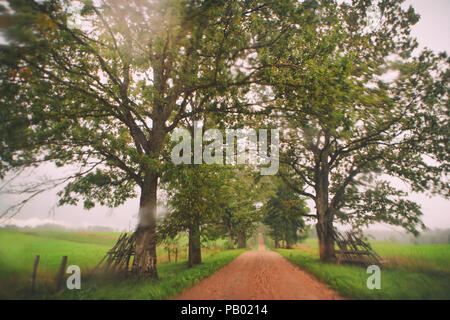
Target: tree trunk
(231, 239)
(324, 224)
(195, 251)
(242, 241)
(276, 242)
(144, 263)
(326, 241)
(288, 245)
(324, 229)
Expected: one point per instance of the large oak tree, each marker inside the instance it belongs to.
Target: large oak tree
(359, 106)
(102, 84)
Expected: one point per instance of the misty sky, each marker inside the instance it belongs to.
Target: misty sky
(432, 31)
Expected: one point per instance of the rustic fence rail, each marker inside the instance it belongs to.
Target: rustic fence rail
(33, 275)
(355, 249)
(118, 258)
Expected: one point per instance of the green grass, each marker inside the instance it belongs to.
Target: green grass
(428, 258)
(19, 248)
(410, 271)
(173, 279)
(101, 238)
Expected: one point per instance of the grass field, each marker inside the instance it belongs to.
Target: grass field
(19, 248)
(409, 272)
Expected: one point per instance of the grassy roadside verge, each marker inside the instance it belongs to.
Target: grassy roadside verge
(173, 279)
(18, 250)
(350, 281)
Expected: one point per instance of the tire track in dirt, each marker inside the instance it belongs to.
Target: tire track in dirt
(260, 275)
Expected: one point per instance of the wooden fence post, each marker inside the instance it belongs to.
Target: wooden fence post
(60, 276)
(33, 276)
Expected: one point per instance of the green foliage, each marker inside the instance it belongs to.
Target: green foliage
(359, 106)
(242, 192)
(193, 191)
(219, 198)
(102, 87)
(284, 214)
(341, 80)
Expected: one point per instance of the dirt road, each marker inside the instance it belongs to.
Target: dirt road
(260, 275)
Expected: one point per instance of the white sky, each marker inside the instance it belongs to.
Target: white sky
(432, 31)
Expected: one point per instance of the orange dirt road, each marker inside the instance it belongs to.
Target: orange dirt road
(260, 275)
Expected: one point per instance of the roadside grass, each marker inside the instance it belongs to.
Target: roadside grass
(19, 248)
(410, 272)
(173, 279)
(429, 258)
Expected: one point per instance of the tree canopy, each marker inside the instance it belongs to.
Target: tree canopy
(359, 106)
(284, 213)
(102, 85)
